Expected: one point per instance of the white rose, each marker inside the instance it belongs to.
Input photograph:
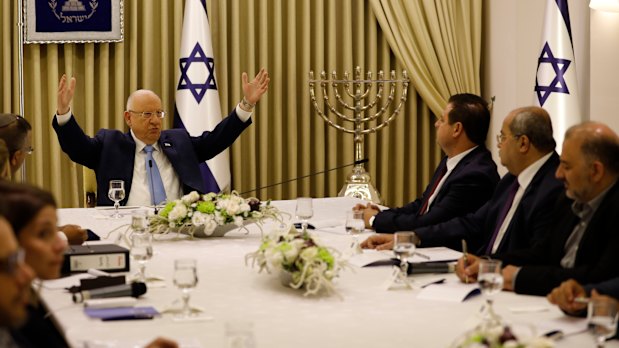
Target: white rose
(178, 212)
(219, 219)
(238, 220)
(292, 253)
(198, 219)
(274, 258)
(190, 198)
(209, 226)
(245, 207)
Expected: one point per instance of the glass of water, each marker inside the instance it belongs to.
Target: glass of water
(116, 193)
(185, 279)
(304, 211)
(141, 251)
(602, 318)
(490, 279)
(354, 226)
(404, 244)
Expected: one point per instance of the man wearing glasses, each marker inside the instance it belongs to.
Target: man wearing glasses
(156, 165)
(17, 134)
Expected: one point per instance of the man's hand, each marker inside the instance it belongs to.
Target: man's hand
(467, 268)
(75, 234)
(368, 211)
(565, 294)
(378, 242)
(66, 89)
(254, 90)
(509, 272)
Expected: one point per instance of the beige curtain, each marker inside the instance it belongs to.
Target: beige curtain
(288, 138)
(439, 41)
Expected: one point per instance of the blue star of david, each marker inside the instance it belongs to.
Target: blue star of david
(557, 85)
(198, 90)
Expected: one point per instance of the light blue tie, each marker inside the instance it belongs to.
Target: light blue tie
(157, 192)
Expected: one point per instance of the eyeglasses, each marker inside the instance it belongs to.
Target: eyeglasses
(29, 150)
(500, 138)
(11, 263)
(148, 114)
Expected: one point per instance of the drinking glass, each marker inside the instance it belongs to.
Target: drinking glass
(185, 279)
(404, 244)
(354, 226)
(602, 319)
(116, 193)
(304, 211)
(490, 279)
(141, 251)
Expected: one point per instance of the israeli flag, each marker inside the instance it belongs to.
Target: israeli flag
(197, 98)
(556, 87)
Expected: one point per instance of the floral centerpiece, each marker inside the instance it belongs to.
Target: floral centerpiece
(210, 211)
(301, 260)
(500, 337)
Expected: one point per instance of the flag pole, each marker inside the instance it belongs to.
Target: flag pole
(20, 67)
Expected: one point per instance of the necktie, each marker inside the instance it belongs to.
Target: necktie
(157, 192)
(424, 207)
(501, 217)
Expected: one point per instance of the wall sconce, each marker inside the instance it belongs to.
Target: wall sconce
(605, 5)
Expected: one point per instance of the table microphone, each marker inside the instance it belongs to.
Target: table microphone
(361, 161)
(134, 290)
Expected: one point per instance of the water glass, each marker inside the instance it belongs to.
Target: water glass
(602, 318)
(185, 279)
(404, 244)
(141, 251)
(239, 334)
(116, 193)
(490, 279)
(304, 211)
(354, 226)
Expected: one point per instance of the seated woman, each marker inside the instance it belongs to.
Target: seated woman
(32, 215)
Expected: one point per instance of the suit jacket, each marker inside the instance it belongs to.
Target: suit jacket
(111, 153)
(596, 259)
(609, 287)
(467, 188)
(529, 223)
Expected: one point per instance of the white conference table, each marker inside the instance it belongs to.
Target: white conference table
(231, 291)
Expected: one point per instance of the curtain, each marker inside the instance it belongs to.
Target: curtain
(440, 40)
(288, 139)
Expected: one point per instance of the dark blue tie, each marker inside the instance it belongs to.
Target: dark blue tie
(157, 191)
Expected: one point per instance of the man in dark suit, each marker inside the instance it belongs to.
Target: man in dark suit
(582, 242)
(463, 181)
(155, 165)
(517, 213)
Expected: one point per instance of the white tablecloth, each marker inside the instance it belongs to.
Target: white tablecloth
(231, 291)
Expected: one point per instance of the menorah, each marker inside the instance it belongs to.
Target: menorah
(358, 184)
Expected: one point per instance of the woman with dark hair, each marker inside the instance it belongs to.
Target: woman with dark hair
(32, 214)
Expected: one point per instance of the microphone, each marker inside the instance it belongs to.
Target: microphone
(357, 162)
(152, 187)
(134, 290)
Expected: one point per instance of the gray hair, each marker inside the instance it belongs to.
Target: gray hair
(535, 123)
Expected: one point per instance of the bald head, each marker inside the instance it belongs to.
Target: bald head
(140, 96)
(597, 143)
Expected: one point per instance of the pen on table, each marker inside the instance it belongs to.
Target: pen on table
(423, 256)
(438, 281)
(466, 260)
